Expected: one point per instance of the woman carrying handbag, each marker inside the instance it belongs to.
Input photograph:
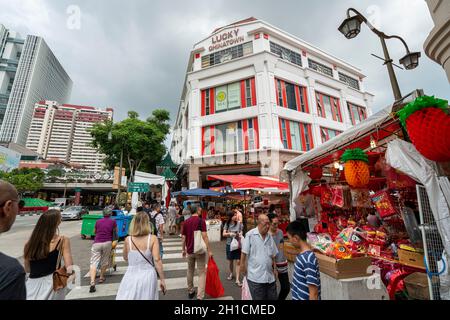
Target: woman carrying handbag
(44, 255)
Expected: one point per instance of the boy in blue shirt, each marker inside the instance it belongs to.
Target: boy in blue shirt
(306, 278)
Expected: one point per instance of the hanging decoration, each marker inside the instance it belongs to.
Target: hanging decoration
(356, 168)
(428, 124)
(316, 173)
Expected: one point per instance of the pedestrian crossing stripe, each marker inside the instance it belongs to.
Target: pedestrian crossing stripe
(110, 289)
(177, 266)
(166, 249)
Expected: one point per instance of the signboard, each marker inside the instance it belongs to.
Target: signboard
(138, 187)
(221, 98)
(193, 185)
(225, 40)
(9, 159)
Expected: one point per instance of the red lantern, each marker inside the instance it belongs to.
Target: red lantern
(316, 173)
(428, 125)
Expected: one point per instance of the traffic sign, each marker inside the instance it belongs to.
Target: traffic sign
(138, 187)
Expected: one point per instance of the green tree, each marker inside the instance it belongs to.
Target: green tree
(142, 141)
(25, 180)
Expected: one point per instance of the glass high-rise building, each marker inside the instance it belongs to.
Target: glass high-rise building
(38, 76)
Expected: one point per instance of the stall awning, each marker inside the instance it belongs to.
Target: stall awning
(246, 182)
(151, 179)
(197, 193)
(379, 125)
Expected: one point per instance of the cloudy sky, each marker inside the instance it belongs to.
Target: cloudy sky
(132, 55)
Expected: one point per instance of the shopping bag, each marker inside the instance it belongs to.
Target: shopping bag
(199, 243)
(213, 287)
(246, 295)
(234, 245)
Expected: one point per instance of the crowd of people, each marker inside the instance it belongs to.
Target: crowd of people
(255, 257)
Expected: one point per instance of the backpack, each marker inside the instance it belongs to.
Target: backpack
(153, 224)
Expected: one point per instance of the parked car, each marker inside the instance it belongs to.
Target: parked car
(74, 213)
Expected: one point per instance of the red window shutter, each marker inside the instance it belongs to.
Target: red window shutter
(352, 116)
(302, 135)
(283, 87)
(339, 109)
(288, 132)
(243, 95)
(305, 98)
(256, 130)
(323, 114)
(297, 98)
(311, 139)
(203, 103)
(245, 133)
(212, 99)
(333, 110)
(203, 141)
(212, 130)
(253, 86)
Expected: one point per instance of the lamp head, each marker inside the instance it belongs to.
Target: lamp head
(351, 27)
(411, 60)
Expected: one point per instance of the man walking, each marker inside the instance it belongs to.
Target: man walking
(12, 274)
(258, 261)
(157, 219)
(195, 223)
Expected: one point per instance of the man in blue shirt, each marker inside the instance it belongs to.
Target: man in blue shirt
(306, 278)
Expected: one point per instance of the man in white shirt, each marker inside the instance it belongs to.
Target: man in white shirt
(158, 219)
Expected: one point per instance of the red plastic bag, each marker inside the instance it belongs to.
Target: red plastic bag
(214, 287)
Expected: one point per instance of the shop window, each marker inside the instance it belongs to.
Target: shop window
(291, 96)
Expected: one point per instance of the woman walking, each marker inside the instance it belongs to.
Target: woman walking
(43, 255)
(233, 230)
(280, 259)
(141, 250)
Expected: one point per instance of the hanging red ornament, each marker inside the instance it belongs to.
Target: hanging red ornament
(428, 124)
(316, 173)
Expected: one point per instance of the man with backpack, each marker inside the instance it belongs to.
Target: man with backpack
(157, 219)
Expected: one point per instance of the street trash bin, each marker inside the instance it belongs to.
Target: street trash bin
(88, 225)
(123, 224)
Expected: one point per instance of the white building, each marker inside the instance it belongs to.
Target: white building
(62, 131)
(34, 74)
(255, 97)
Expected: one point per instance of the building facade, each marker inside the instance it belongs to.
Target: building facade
(38, 76)
(10, 51)
(255, 97)
(62, 132)
(437, 45)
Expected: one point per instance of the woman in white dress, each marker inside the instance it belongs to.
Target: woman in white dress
(141, 250)
(42, 254)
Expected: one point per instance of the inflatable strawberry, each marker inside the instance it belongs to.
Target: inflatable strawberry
(356, 168)
(428, 125)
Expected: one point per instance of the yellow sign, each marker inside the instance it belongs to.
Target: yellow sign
(221, 96)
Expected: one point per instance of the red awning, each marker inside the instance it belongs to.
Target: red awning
(243, 181)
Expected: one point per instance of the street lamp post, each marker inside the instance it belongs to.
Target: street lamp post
(351, 27)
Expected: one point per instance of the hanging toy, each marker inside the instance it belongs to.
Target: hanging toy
(356, 168)
(428, 124)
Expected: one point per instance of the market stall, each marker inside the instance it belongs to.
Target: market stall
(361, 193)
(203, 196)
(255, 194)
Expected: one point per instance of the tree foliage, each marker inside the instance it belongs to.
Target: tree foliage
(142, 141)
(25, 180)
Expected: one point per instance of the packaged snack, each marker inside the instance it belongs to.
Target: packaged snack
(383, 204)
(361, 198)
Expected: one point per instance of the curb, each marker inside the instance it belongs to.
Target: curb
(30, 214)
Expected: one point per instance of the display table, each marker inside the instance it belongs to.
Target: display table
(213, 228)
(348, 289)
(363, 288)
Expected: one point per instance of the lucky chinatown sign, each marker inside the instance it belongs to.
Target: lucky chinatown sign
(225, 40)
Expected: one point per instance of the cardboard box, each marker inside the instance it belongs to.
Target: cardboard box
(411, 259)
(345, 268)
(417, 286)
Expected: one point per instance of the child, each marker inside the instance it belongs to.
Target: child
(306, 277)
